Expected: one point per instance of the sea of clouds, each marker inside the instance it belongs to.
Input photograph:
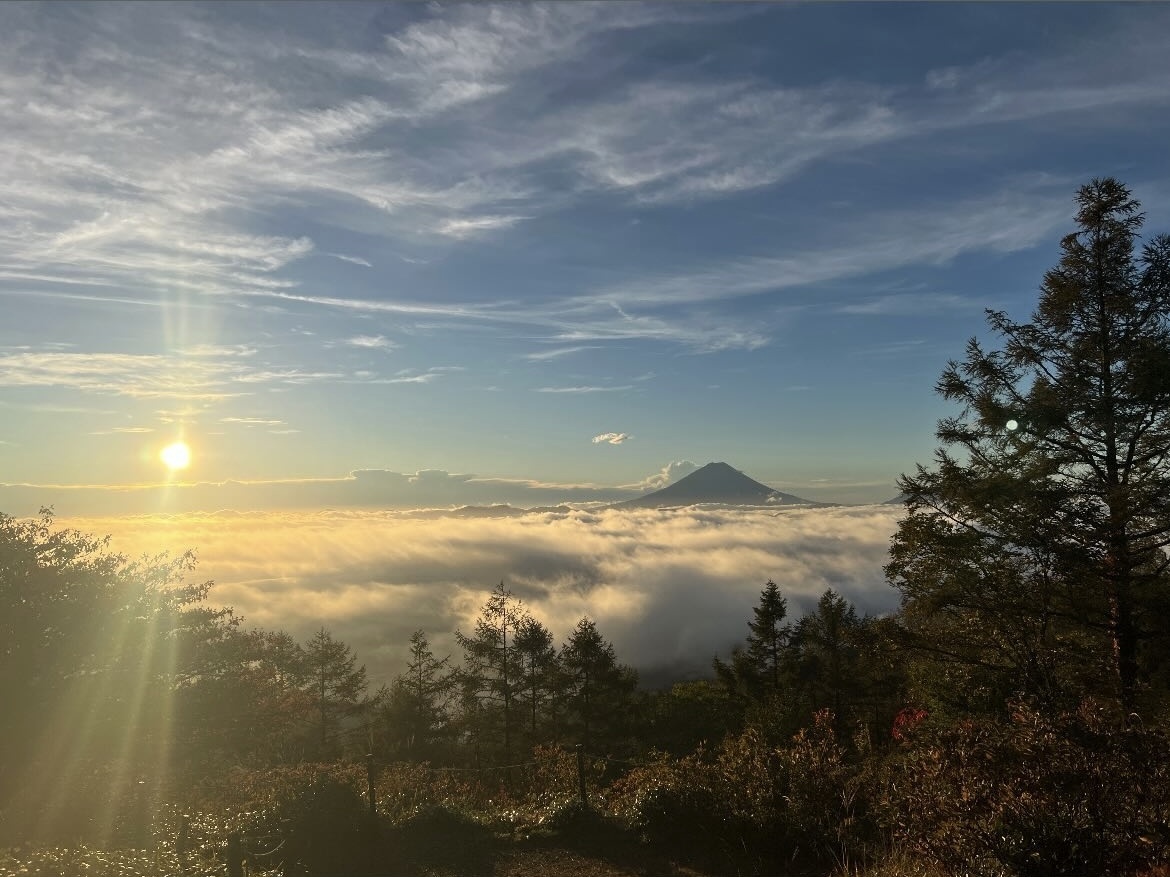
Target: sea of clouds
(670, 588)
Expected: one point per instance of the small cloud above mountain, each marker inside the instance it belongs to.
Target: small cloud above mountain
(611, 438)
(669, 474)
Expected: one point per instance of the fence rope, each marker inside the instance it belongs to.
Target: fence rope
(608, 759)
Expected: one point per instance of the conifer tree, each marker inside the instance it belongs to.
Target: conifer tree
(600, 689)
(337, 685)
(829, 667)
(1034, 548)
(758, 671)
(540, 672)
(416, 707)
(491, 664)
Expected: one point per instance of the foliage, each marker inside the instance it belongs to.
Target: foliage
(689, 714)
(413, 716)
(761, 668)
(94, 646)
(829, 659)
(243, 703)
(83, 861)
(337, 687)
(542, 687)
(492, 674)
(1037, 540)
(1079, 793)
(600, 690)
(404, 788)
(759, 808)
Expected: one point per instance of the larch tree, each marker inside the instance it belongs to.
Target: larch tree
(540, 673)
(491, 666)
(337, 685)
(416, 709)
(1037, 540)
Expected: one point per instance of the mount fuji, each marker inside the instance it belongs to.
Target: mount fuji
(716, 483)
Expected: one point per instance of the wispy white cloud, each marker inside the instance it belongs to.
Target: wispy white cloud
(611, 438)
(144, 376)
(137, 375)
(285, 376)
(117, 190)
(354, 260)
(585, 389)
(123, 430)
(474, 225)
(251, 421)
(1008, 221)
(900, 304)
(373, 342)
(218, 350)
(558, 352)
(413, 376)
(52, 408)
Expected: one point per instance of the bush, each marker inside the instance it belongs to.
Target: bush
(1078, 793)
(326, 827)
(761, 808)
(405, 789)
(436, 835)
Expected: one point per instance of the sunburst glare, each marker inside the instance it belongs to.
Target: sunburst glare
(176, 455)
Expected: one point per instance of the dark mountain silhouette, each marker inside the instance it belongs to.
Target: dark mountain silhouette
(716, 483)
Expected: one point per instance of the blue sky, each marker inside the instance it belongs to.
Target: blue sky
(431, 239)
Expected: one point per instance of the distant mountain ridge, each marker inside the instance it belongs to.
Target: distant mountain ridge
(715, 483)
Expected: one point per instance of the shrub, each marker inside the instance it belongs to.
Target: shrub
(405, 788)
(437, 835)
(1078, 793)
(325, 827)
(760, 807)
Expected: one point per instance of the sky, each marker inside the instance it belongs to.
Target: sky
(366, 259)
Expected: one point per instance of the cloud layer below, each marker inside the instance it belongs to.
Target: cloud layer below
(669, 588)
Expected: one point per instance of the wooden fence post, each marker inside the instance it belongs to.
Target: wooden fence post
(370, 783)
(183, 843)
(581, 774)
(235, 856)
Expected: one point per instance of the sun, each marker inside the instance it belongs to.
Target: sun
(176, 455)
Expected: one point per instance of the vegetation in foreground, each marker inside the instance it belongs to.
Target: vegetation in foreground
(1010, 719)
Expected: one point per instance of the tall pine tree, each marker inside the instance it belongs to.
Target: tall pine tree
(1037, 540)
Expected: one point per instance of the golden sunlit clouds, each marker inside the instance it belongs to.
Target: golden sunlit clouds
(667, 588)
(176, 455)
